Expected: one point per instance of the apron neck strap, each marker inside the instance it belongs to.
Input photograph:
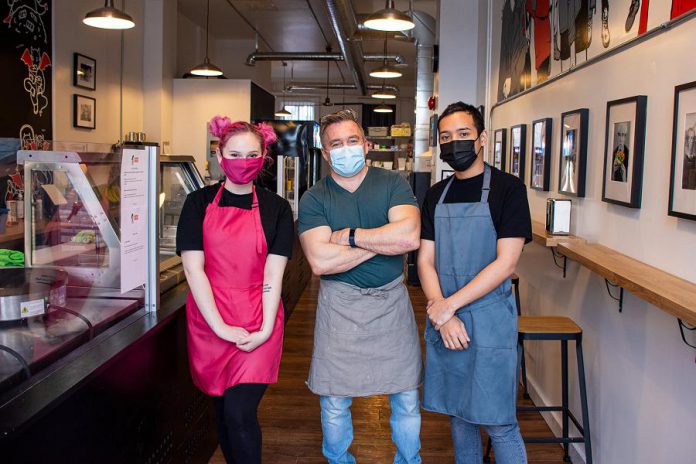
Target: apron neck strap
(486, 183)
(218, 195)
(484, 191)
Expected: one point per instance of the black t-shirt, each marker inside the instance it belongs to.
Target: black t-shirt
(276, 218)
(507, 201)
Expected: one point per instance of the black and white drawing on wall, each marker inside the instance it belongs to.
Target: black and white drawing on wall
(682, 196)
(540, 177)
(573, 153)
(499, 146)
(518, 148)
(623, 151)
(84, 112)
(84, 72)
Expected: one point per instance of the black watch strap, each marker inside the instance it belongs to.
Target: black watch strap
(351, 238)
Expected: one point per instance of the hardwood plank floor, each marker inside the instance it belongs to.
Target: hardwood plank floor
(290, 416)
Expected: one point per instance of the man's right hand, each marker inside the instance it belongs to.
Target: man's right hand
(231, 334)
(454, 334)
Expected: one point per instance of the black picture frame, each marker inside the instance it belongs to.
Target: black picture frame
(79, 120)
(638, 151)
(676, 138)
(545, 184)
(523, 150)
(580, 149)
(81, 65)
(502, 134)
(432, 134)
(446, 174)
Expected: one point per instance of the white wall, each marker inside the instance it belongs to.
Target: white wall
(641, 377)
(71, 35)
(195, 102)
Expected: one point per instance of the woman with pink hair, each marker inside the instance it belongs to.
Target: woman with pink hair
(234, 240)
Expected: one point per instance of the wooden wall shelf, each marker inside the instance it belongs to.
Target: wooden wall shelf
(672, 294)
(543, 238)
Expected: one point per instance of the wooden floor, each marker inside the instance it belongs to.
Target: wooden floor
(290, 416)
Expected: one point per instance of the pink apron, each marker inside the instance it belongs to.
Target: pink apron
(235, 252)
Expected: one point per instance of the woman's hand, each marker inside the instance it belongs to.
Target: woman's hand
(454, 334)
(439, 312)
(231, 334)
(253, 340)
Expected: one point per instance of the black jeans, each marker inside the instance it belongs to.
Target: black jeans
(238, 427)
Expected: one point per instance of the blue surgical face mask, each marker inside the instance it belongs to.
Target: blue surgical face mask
(347, 160)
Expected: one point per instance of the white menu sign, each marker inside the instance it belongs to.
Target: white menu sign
(133, 219)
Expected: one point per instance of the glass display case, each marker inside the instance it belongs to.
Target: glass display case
(81, 235)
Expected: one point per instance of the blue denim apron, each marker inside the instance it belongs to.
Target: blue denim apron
(478, 384)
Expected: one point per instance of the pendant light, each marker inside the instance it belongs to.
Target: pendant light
(207, 69)
(389, 19)
(383, 109)
(384, 94)
(109, 17)
(385, 71)
(282, 112)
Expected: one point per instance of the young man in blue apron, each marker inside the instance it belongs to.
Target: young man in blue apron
(474, 226)
(355, 225)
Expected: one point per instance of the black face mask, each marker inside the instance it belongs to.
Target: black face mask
(459, 154)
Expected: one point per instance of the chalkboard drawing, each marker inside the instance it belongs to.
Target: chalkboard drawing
(679, 7)
(514, 74)
(572, 26)
(26, 18)
(35, 82)
(28, 140)
(538, 12)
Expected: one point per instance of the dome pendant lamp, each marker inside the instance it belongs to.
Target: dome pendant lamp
(385, 71)
(109, 17)
(383, 109)
(282, 112)
(389, 19)
(207, 69)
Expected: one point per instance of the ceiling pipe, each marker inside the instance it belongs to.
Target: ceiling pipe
(424, 33)
(344, 24)
(317, 56)
(296, 87)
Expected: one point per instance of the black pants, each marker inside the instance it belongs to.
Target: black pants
(238, 427)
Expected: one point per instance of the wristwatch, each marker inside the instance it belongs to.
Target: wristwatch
(351, 238)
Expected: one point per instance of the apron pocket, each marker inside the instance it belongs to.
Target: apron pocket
(494, 326)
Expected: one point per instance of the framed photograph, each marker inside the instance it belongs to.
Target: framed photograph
(446, 173)
(573, 154)
(499, 139)
(84, 72)
(432, 135)
(518, 150)
(682, 185)
(624, 145)
(84, 112)
(540, 176)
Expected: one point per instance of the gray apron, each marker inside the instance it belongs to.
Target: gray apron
(365, 341)
(478, 384)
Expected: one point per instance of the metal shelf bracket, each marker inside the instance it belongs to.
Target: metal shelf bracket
(620, 298)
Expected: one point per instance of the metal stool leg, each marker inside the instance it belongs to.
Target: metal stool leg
(564, 388)
(583, 400)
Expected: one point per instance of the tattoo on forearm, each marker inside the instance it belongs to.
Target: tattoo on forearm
(266, 288)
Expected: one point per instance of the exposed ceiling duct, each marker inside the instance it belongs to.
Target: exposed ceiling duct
(344, 24)
(424, 33)
(296, 87)
(317, 56)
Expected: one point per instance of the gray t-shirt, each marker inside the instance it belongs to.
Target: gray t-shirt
(329, 204)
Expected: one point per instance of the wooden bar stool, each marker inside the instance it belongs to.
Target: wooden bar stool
(516, 287)
(562, 329)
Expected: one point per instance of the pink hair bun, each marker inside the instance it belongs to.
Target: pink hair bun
(219, 125)
(268, 134)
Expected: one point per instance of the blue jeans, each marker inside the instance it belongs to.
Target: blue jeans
(337, 425)
(506, 439)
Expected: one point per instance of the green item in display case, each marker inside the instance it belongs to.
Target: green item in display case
(11, 258)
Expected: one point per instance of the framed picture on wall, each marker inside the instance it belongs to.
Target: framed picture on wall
(446, 173)
(499, 139)
(573, 153)
(84, 112)
(518, 150)
(624, 145)
(432, 135)
(540, 177)
(84, 72)
(682, 188)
